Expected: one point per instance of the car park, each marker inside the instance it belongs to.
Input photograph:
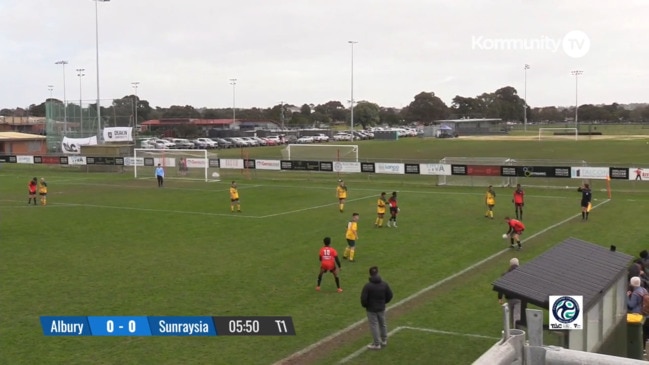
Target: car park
(205, 143)
(182, 143)
(223, 143)
(305, 139)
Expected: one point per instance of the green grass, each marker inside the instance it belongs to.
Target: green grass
(110, 245)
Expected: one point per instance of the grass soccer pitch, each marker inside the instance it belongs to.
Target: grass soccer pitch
(107, 244)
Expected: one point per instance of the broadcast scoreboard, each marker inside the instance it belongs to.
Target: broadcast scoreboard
(166, 326)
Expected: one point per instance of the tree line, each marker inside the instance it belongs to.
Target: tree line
(426, 107)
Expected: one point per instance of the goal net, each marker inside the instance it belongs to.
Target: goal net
(178, 164)
(486, 165)
(321, 152)
(571, 134)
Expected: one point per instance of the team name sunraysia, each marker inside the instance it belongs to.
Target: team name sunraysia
(183, 328)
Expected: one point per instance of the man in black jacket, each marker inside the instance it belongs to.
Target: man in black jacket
(375, 295)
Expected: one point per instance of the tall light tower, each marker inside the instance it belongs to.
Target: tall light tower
(233, 82)
(51, 89)
(99, 134)
(281, 113)
(80, 74)
(65, 100)
(135, 85)
(352, 43)
(576, 74)
(527, 67)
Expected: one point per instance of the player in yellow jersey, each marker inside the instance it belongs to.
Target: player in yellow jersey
(380, 210)
(42, 191)
(234, 197)
(351, 235)
(341, 193)
(490, 201)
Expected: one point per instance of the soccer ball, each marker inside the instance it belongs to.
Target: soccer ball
(216, 175)
(505, 236)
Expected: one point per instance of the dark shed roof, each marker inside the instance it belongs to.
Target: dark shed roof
(573, 267)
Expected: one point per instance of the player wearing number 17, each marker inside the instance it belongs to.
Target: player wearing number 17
(328, 261)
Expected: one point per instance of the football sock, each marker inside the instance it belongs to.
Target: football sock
(519, 243)
(587, 215)
(380, 222)
(521, 215)
(346, 252)
(44, 201)
(376, 222)
(512, 241)
(341, 207)
(239, 207)
(486, 214)
(583, 215)
(337, 282)
(232, 208)
(491, 214)
(351, 255)
(319, 279)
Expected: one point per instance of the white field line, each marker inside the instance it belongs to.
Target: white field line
(186, 212)
(360, 351)
(426, 289)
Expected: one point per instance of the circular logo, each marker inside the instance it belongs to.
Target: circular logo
(565, 309)
(338, 166)
(527, 171)
(576, 44)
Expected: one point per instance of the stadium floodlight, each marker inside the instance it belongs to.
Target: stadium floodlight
(576, 74)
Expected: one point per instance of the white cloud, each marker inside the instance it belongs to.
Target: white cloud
(297, 51)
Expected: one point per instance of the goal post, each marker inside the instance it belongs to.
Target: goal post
(321, 152)
(178, 164)
(559, 133)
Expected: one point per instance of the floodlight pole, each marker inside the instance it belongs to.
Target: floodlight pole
(80, 74)
(99, 134)
(352, 91)
(527, 67)
(135, 85)
(51, 89)
(65, 100)
(233, 82)
(576, 74)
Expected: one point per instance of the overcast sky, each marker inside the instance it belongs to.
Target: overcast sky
(185, 52)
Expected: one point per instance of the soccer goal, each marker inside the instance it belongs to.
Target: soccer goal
(178, 164)
(559, 133)
(321, 152)
(485, 171)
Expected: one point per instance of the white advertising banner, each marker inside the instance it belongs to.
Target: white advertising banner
(389, 168)
(118, 134)
(638, 174)
(196, 163)
(267, 165)
(231, 163)
(77, 160)
(25, 159)
(434, 169)
(132, 161)
(340, 166)
(73, 145)
(584, 172)
(165, 162)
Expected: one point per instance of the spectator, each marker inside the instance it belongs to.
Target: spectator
(634, 303)
(375, 295)
(514, 304)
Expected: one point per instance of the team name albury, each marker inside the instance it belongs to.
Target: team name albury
(59, 326)
(184, 328)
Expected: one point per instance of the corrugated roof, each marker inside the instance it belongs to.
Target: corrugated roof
(13, 136)
(573, 267)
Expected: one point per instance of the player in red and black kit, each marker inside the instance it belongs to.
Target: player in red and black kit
(516, 228)
(32, 190)
(328, 260)
(394, 210)
(519, 201)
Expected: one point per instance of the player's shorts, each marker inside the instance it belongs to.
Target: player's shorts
(394, 211)
(584, 204)
(518, 232)
(518, 204)
(234, 200)
(342, 197)
(32, 193)
(42, 194)
(328, 266)
(382, 211)
(351, 243)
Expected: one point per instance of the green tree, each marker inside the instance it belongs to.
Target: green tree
(318, 118)
(464, 107)
(426, 108)
(37, 110)
(305, 110)
(389, 116)
(335, 110)
(177, 111)
(366, 114)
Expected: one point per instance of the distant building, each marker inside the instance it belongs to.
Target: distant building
(34, 125)
(468, 127)
(16, 143)
(169, 125)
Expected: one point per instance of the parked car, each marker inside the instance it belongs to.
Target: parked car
(271, 141)
(275, 139)
(223, 143)
(321, 138)
(237, 142)
(305, 139)
(205, 143)
(182, 143)
(261, 141)
(251, 141)
(343, 137)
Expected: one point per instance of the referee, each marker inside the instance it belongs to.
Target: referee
(160, 175)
